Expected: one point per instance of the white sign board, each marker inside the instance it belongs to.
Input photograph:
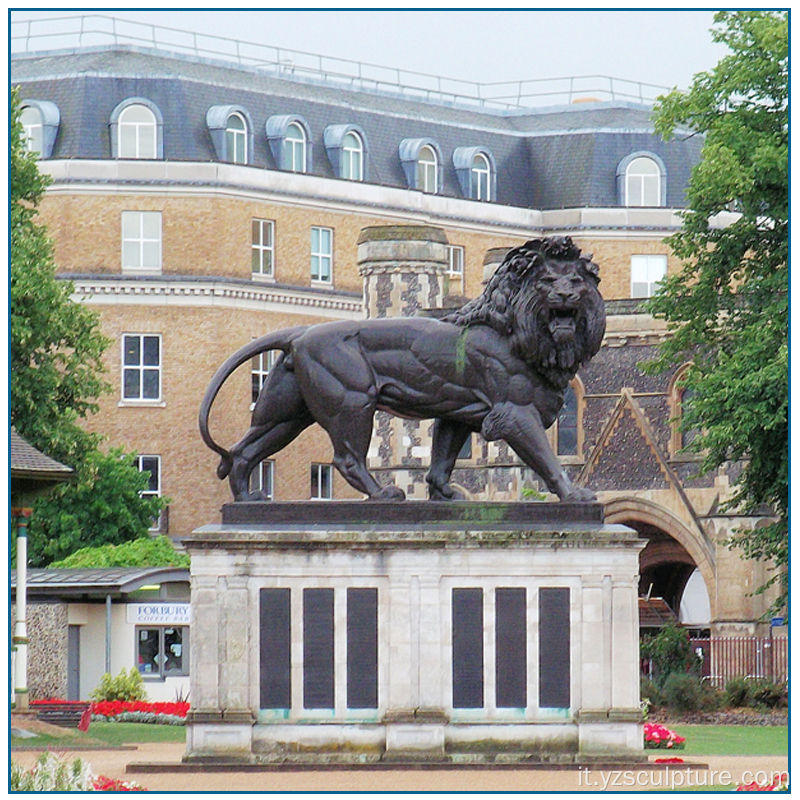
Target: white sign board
(159, 613)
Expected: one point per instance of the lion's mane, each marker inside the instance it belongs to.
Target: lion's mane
(512, 304)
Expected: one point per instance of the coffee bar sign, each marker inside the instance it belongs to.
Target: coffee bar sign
(159, 613)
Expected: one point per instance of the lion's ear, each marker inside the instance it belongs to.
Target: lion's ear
(590, 266)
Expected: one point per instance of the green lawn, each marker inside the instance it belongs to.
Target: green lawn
(113, 733)
(732, 740)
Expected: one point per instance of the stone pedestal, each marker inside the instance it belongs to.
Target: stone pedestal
(356, 632)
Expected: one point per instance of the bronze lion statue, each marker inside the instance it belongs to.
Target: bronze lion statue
(498, 366)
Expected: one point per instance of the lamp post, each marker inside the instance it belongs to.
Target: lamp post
(20, 638)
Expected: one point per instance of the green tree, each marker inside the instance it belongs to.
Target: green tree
(157, 552)
(728, 308)
(55, 380)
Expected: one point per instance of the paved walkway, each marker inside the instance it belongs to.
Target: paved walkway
(726, 770)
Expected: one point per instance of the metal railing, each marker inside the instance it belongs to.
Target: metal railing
(85, 31)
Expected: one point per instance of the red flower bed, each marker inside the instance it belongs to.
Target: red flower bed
(103, 784)
(113, 708)
(779, 783)
(657, 737)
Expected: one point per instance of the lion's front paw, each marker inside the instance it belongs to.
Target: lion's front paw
(389, 493)
(580, 496)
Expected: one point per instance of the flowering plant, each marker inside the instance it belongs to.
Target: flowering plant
(779, 783)
(658, 737)
(138, 711)
(52, 773)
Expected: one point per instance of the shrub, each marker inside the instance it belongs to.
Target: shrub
(738, 693)
(711, 699)
(126, 686)
(670, 650)
(650, 693)
(766, 694)
(682, 692)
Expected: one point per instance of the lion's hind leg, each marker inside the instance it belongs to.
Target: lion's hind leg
(279, 416)
(448, 439)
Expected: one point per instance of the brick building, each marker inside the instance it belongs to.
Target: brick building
(197, 203)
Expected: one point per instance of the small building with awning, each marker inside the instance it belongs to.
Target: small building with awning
(83, 623)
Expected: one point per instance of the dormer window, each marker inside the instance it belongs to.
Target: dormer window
(40, 120)
(422, 164)
(641, 181)
(427, 168)
(136, 126)
(290, 143)
(231, 132)
(476, 172)
(346, 146)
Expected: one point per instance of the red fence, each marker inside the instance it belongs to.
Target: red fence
(743, 657)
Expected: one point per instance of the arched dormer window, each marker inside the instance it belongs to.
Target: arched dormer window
(422, 164)
(290, 143)
(347, 151)
(40, 120)
(136, 130)
(569, 424)
(476, 172)
(642, 181)
(231, 130)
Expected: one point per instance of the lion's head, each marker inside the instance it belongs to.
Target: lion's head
(544, 297)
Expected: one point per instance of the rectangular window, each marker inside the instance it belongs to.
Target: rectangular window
(263, 248)
(321, 254)
(362, 648)
(321, 482)
(141, 241)
(467, 619)
(318, 650)
(152, 466)
(141, 367)
(510, 649)
(275, 668)
(261, 365)
(455, 260)
(554, 643)
(646, 273)
(162, 652)
(262, 479)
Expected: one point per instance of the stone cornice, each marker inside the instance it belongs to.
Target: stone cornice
(219, 292)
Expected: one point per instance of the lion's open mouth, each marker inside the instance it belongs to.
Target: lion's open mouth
(562, 323)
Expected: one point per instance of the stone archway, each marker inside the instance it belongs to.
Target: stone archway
(673, 551)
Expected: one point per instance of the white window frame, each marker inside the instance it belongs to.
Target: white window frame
(295, 148)
(259, 371)
(642, 185)
(352, 157)
(263, 248)
(141, 368)
(161, 675)
(262, 479)
(647, 272)
(32, 132)
(322, 257)
(481, 173)
(138, 244)
(321, 479)
(135, 129)
(428, 170)
(139, 461)
(236, 139)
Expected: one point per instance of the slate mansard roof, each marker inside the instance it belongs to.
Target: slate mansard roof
(565, 157)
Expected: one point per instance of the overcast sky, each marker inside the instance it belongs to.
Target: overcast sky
(665, 48)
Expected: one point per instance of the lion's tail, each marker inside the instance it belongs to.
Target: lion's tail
(277, 340)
